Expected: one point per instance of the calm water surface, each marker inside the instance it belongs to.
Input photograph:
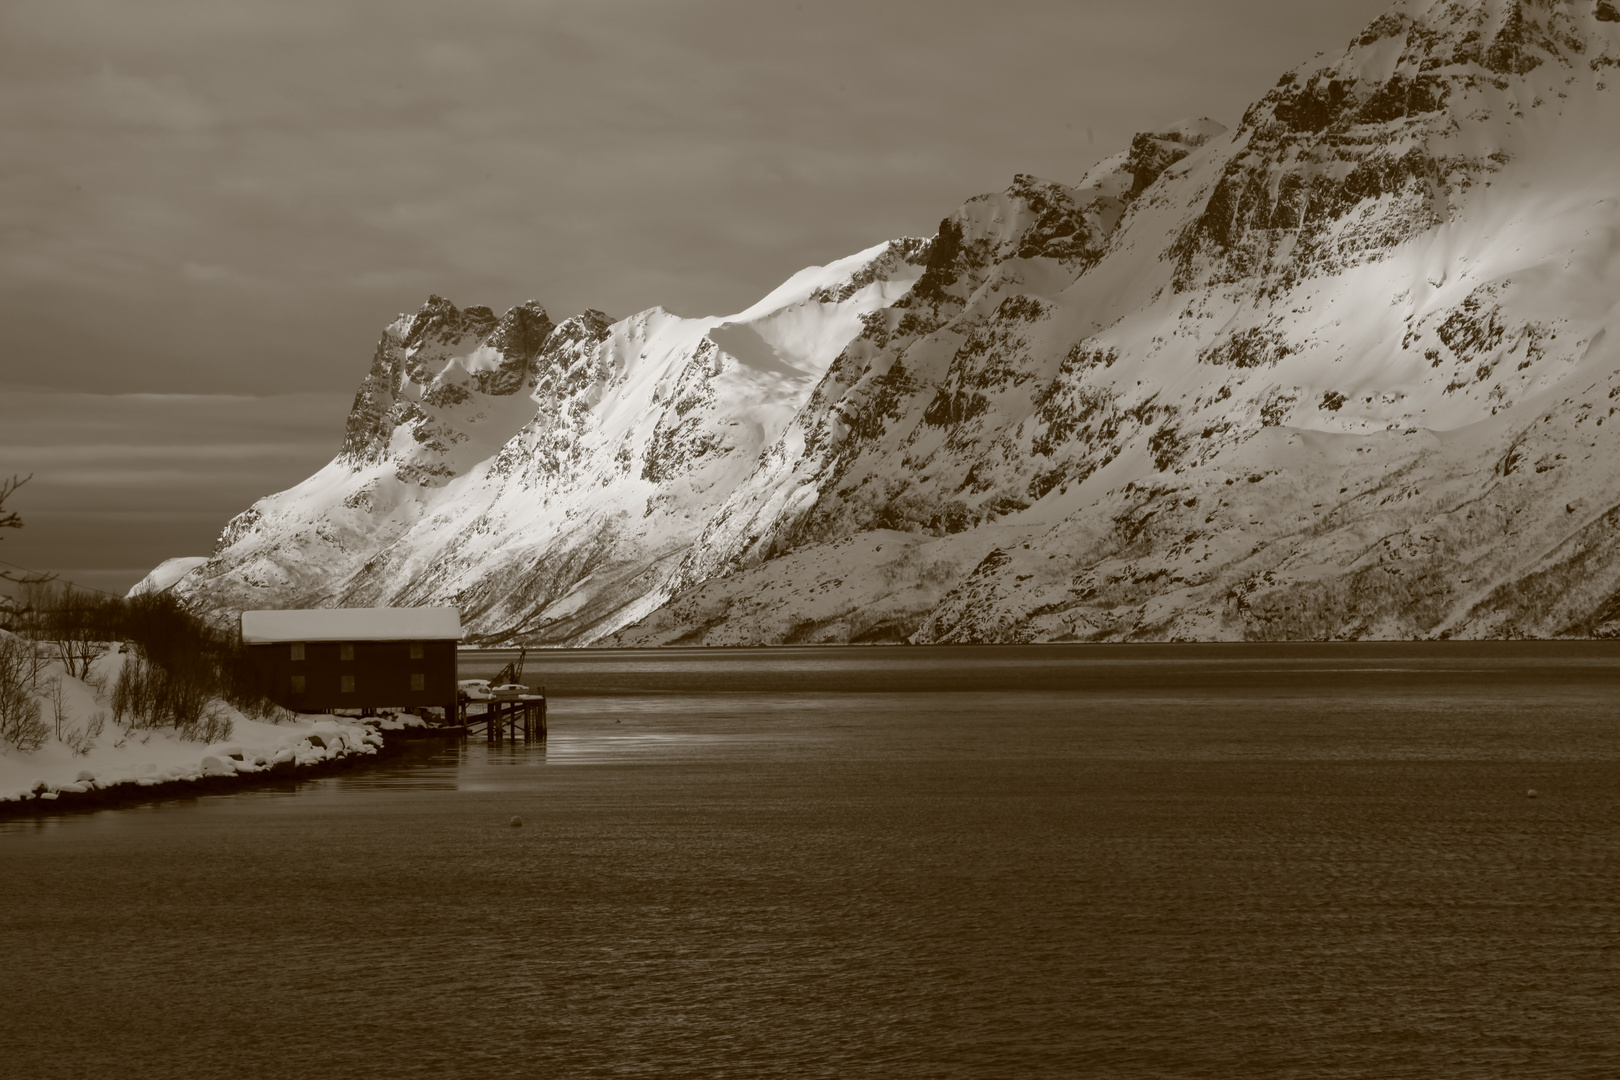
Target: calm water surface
(1042, 862)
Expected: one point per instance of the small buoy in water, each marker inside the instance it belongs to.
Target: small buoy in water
(516, 823)
(1530, 794)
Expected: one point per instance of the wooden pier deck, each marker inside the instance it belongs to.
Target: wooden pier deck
(505, 718)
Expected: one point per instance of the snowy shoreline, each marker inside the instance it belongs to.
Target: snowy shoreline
(307, 747)
(59, 748)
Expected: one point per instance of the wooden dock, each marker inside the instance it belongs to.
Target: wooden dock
(504, 718)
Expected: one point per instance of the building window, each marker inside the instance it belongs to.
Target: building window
(346, 684)
(416, 650)
(298, 650)
(345, 652)
(297, 683)
(418, 681)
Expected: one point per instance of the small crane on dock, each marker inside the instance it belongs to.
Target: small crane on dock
(513, 672)
(509, 705)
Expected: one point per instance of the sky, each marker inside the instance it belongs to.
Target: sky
(209, 209)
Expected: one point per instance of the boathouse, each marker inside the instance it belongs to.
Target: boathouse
(317, 659)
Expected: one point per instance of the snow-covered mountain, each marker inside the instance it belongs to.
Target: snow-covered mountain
(1343, 370)
(547, 477)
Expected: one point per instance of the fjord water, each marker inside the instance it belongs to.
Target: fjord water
(1166, 861)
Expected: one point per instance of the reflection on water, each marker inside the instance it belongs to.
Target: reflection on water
(960, 863)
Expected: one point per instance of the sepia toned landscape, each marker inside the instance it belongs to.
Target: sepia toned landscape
(1118, 596)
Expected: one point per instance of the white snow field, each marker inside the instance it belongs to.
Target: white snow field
(167, 573)
(1345, 369)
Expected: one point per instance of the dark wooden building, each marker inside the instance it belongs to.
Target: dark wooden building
(316, 659)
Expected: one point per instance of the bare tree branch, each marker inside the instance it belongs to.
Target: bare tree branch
(10, 519)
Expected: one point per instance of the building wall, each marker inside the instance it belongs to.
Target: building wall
(381, 671)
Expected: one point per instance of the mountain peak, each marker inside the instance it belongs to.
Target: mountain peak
(518, 337)
(1152, 152)
(1419, 109)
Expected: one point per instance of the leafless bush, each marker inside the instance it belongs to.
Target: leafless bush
(83, 740)
(54, 694)
(181, 673)
(264, 709)
(95, 681)
(20, 725)
(213, 725)
(74, 623)
(33, 657)
(143, 696)
(147, 695)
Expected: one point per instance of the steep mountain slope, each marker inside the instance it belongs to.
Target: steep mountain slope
(540, 476)
(1292, 397)
(1341, 371)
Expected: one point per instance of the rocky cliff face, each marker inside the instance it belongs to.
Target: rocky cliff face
(1341, 371)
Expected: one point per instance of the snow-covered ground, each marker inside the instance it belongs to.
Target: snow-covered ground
(81, 754)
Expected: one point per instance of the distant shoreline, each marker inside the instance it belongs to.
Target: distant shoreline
(1460, 646)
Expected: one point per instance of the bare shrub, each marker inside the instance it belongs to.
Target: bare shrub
(54, 694)
(182, 673)
(75, 631)
(34, 658)
(149, 696)
(266, 710)
(71, 623)
(95, 681)
(20, 725)
(83, 740)
(140, 696)
(213, 725)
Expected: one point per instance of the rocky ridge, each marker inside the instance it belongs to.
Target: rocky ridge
(544, 477)
(1341, 371)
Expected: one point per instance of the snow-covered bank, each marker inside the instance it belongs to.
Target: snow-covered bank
(162, 757)
(76, 750)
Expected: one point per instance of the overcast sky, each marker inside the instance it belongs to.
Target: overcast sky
(210, 208)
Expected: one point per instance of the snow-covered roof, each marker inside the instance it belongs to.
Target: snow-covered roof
(352, 624)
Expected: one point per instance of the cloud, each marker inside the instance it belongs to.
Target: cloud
(411, 281)
(121, 481)
(163, 102)
(344, 157)
(204, 273)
